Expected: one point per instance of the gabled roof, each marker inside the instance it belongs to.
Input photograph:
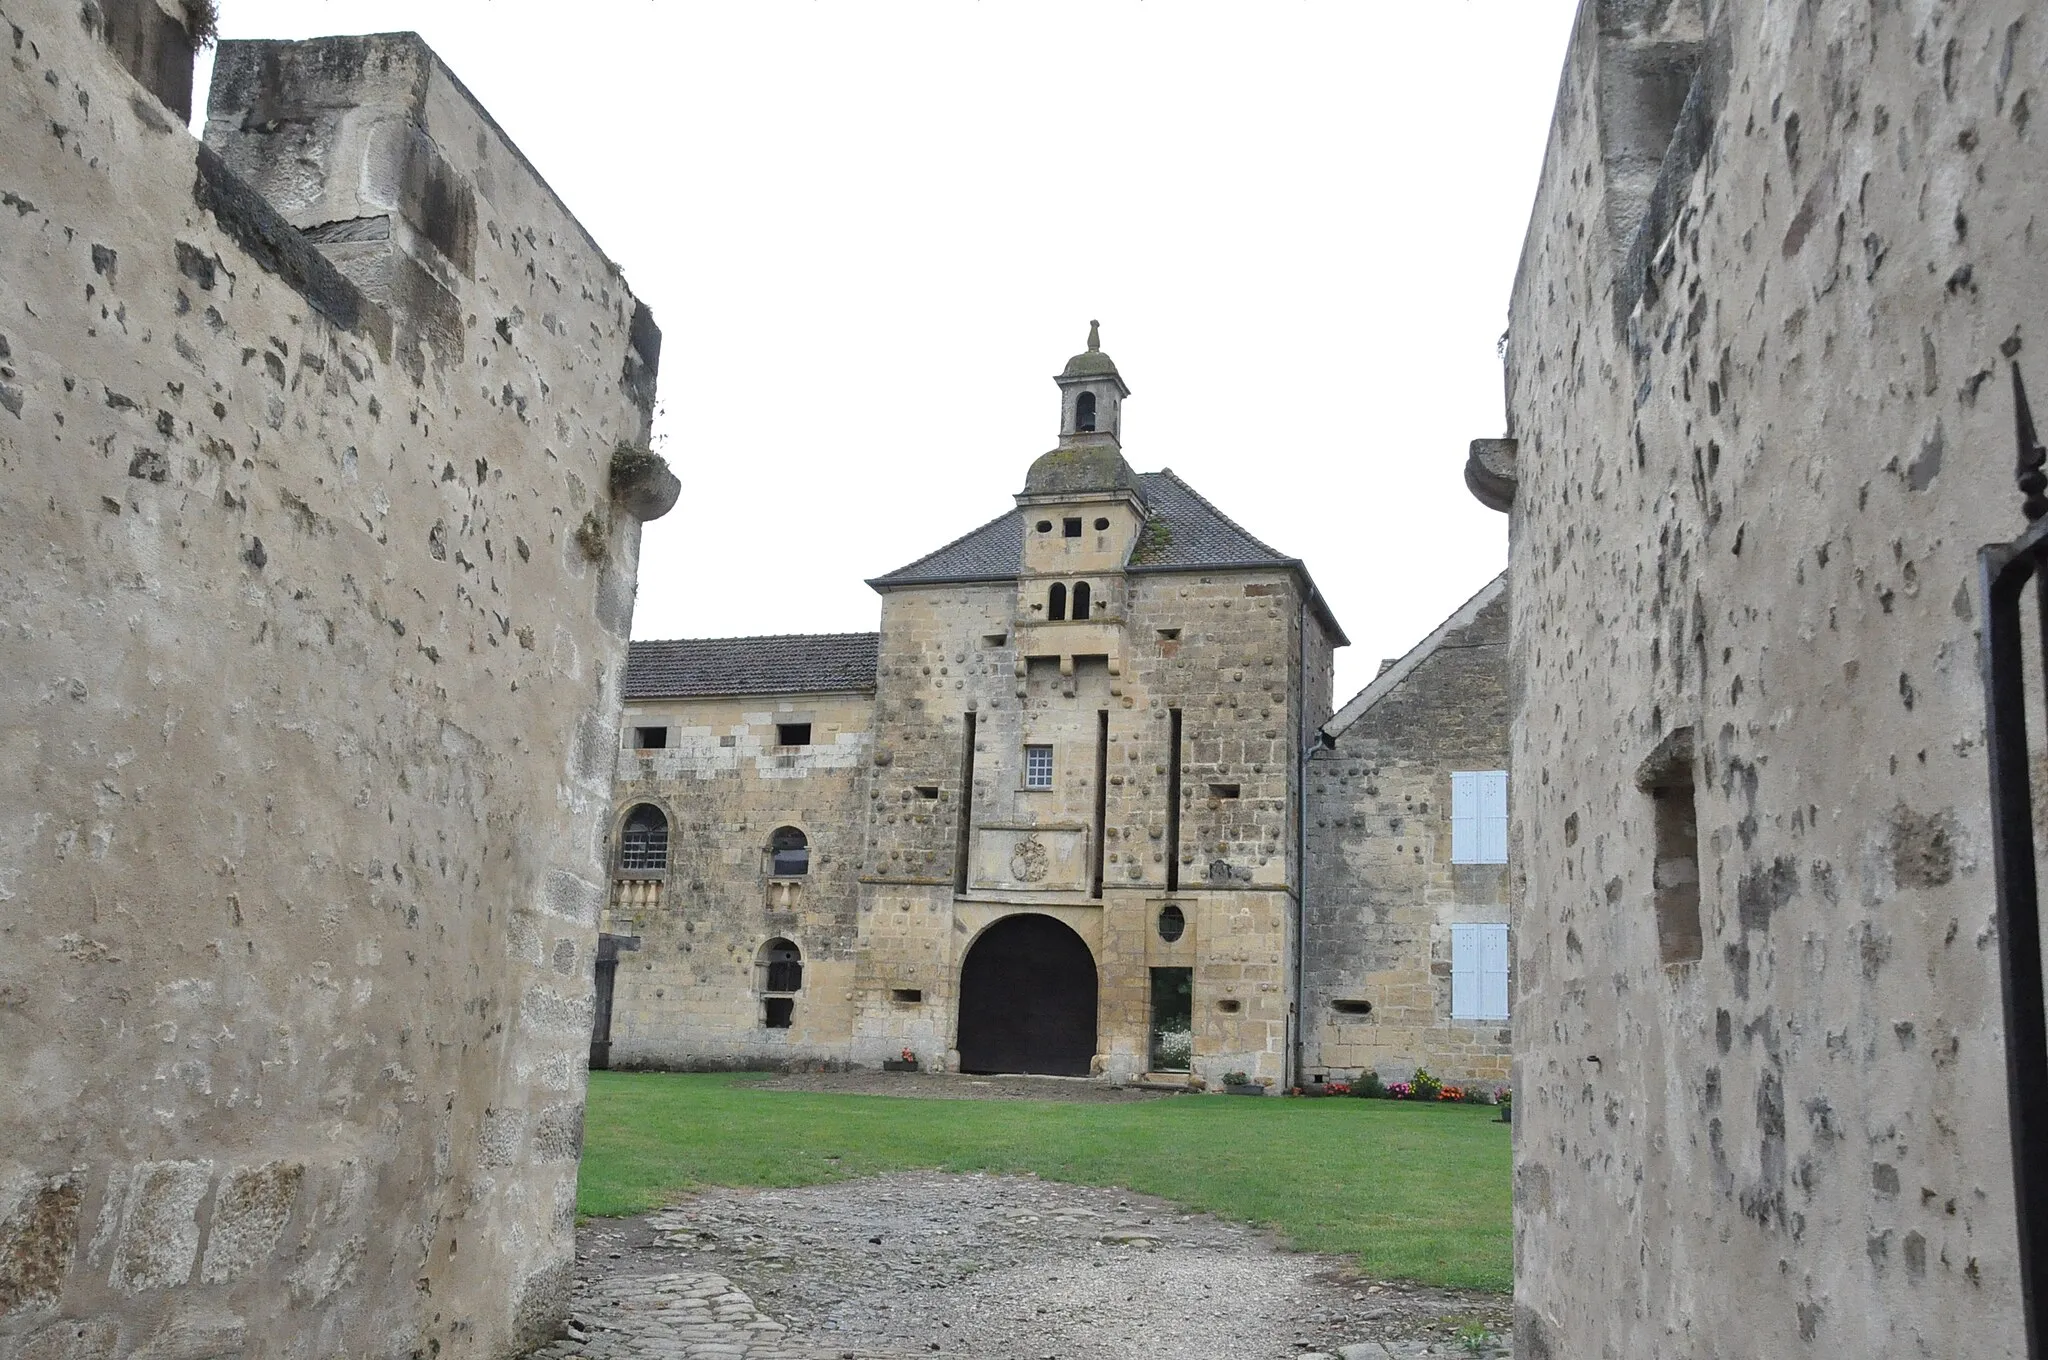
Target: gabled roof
(1183, 532)
(1391, 676)
(793, 663)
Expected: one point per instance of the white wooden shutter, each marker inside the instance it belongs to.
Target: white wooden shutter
(1464, 819)
(1493, 816)
(1465, 974)
(1493, 972)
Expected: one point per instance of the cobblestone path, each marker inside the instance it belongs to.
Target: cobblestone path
(995, 1267)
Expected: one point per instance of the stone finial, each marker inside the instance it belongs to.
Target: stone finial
(1095, 335)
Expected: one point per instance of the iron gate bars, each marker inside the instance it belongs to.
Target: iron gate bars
(2004, 571)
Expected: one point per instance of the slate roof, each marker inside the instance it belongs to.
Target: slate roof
(1183, 533)
(793, 663)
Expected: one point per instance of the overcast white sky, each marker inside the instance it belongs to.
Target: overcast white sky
(871, 232)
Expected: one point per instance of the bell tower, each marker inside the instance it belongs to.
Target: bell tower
(1092, 395)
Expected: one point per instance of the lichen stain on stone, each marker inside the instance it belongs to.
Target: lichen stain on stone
(1923, 847)
(37, 1241)
(1762, 892)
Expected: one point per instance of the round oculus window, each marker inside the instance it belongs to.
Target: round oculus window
(1101, 524)
(1173, 923)
(1045, 526)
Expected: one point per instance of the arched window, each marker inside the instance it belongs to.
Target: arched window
(789, 852)
(780, 967)
(1084, 411)
(643, 841)
(1056, 602)
(1080, 599)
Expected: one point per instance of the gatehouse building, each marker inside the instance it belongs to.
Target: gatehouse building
(1048, 818)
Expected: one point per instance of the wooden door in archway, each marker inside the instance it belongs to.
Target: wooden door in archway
(1027, 999)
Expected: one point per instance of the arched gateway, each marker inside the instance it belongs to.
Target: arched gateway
(1027, 999)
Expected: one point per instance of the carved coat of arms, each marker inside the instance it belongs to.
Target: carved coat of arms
(1029, 862)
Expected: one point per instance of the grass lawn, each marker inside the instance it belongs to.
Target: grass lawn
(1413, 1192)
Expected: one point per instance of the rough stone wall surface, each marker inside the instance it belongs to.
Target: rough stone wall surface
(312, 686)
(689, 996)
(1753, 474)
(1383, 891)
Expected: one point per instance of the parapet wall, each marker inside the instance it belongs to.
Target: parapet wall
(316, 592)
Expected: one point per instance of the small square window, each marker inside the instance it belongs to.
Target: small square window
(1070, 527)
(650, 738)
(792, 734)
(1038, 767)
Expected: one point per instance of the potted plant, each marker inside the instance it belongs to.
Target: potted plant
(1239, 1084)
(907, 1063)
(1505, 1098)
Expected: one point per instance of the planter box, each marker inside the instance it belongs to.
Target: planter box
(1250, 1088)
(899, 1065)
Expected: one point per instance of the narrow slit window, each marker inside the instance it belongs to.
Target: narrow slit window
(963, 831)
(1173, 800)
(1352, 1007)
(907, 996)
(1038, 767)
(927, 790)
(1224, 790)
(1676, 875)
(1056, 602)
(1081, 599)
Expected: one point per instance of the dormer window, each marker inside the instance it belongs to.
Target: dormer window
(1084, 411)
(1080, 599)
(1056, 602)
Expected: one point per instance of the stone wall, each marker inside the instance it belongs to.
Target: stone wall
(1383, 891)
(316, 613)
(1757, 384)
(687, 996)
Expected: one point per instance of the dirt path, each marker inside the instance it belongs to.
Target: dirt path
(1005, 1267)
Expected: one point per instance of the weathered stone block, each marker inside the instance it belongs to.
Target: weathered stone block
(157, 1242)
(250, 1211)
